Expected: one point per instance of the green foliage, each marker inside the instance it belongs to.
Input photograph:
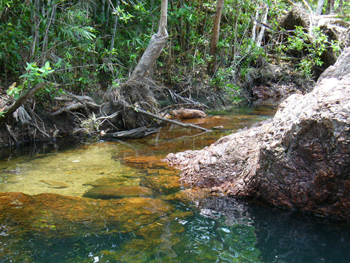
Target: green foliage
(311, 48)
(79, 34)
(34, 75)
(235, 92)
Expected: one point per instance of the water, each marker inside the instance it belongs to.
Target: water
(118, 202)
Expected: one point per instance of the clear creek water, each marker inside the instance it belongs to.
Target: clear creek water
(118, 202)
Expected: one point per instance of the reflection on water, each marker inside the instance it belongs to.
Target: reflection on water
(118, 202)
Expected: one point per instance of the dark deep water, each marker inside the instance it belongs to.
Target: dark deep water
(154, 219)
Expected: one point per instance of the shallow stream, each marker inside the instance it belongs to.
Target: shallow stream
(118, 202)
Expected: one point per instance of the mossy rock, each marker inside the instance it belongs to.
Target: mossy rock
(115, 192)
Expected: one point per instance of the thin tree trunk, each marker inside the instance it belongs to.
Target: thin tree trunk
(35, 17)
(154, 48)
(107, 14)
(262, 30)
(46, 37)
(330, 7)
(255, 23)
(114, 30)
(215, 37)
(340, 6)
(320, 4)
(234, 46)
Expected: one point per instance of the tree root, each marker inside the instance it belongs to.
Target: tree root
(85, 103)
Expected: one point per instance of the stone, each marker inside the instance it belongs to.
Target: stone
(113, 192)
(143, 162)
(106, 181)
(188, 114)
(55, 184)
(300, 159)
(163, 184)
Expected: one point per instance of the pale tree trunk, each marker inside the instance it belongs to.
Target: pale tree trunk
(155, 47)
(234, 46)
(114, 30)
(255, 23)
(262, 30)
(320, 4)
(46, 37)
(215, 37)
(35, 29)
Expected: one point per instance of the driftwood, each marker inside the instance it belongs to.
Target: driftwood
(171, 121)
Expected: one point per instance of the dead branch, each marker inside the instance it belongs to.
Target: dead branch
(108, 117)
(40, 130)
(171, 121)
(86, 101)
(72, 107)
(11, 133)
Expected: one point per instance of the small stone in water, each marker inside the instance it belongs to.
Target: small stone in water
(55, 184)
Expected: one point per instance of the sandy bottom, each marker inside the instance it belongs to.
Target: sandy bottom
(74, 167)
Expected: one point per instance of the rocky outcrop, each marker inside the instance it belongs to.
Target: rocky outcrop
(300, 159)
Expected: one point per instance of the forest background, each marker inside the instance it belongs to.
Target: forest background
(92, 47)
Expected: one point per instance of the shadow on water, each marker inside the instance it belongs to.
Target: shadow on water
(118, 202)
(284, 236)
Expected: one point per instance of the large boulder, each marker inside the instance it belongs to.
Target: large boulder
(300, 159)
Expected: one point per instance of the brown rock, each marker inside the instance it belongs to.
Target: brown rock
(164, 184)
(188, 114)
(300, 159)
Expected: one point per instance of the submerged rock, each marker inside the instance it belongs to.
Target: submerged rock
(55, 184)
(162, 183)
(64, 216)
(105, 181)
(112, 192)
(300, 159)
